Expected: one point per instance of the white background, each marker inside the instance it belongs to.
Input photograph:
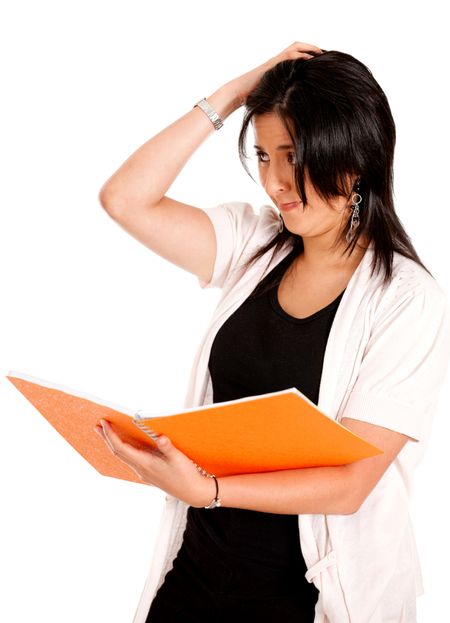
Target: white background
(85, 305)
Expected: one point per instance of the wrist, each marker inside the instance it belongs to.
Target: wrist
(205, 492)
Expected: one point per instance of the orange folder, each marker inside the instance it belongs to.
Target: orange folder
(268, 432)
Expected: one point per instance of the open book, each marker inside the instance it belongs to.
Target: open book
(268, 432)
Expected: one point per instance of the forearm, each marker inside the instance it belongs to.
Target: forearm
(321, 490)
(144, 178)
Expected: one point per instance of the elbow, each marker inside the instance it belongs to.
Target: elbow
(353, 504)
(352, 509)
(104, 197)
(353, 494)
(107, 201)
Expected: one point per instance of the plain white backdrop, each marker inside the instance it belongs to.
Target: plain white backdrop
(85, 305)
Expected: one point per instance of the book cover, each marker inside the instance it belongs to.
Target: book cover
(268, 432)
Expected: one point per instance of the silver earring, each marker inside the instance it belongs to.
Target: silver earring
(281, 227)
(354, 222)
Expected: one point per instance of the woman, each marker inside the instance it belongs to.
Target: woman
(326, 294)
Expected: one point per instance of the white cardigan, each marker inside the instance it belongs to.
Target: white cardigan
(385, 362)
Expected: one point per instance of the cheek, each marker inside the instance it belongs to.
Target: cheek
(262, 173)
(339, 206)
(320, 213)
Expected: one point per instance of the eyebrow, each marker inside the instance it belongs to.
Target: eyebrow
(278, 148)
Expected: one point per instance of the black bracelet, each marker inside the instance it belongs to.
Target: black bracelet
(216, 501)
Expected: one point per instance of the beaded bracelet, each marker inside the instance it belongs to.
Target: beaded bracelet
(216, 501)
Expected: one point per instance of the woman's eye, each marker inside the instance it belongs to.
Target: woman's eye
(260, 154)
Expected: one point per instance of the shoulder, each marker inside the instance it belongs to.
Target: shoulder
(245, 227)
(413, 301)
(410, 278)
(243, 215)
(240, 232)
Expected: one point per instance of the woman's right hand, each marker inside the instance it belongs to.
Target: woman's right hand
(244, 84)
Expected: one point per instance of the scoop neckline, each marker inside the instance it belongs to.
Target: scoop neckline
(273, 297)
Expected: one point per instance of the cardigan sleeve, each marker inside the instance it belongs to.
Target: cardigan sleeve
(236, 226)
(404, 364)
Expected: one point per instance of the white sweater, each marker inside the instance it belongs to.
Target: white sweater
(385, 363)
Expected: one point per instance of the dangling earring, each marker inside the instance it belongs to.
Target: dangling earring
(281, 227)
(354, 223)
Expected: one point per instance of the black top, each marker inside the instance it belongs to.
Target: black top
(261, 349)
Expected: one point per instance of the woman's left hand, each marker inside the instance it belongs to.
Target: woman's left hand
(167, 467)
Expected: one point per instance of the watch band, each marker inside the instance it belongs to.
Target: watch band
(210, 112)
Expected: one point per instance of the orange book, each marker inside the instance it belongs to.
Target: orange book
(268, 432)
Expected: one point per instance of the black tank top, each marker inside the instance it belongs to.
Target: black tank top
(261, 349)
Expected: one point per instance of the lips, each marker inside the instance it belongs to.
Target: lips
(289, 206)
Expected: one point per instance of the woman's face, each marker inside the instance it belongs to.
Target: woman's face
(276, 172)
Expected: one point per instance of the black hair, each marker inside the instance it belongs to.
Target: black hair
(340, 124)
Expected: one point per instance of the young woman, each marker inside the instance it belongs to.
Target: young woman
(323, 292)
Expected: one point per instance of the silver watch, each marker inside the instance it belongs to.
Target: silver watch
(209, 110)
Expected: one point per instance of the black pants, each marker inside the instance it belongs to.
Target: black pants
(205, 585)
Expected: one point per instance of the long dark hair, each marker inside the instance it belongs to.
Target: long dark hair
(340, 123)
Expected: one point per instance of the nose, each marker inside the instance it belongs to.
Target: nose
(278, 180)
